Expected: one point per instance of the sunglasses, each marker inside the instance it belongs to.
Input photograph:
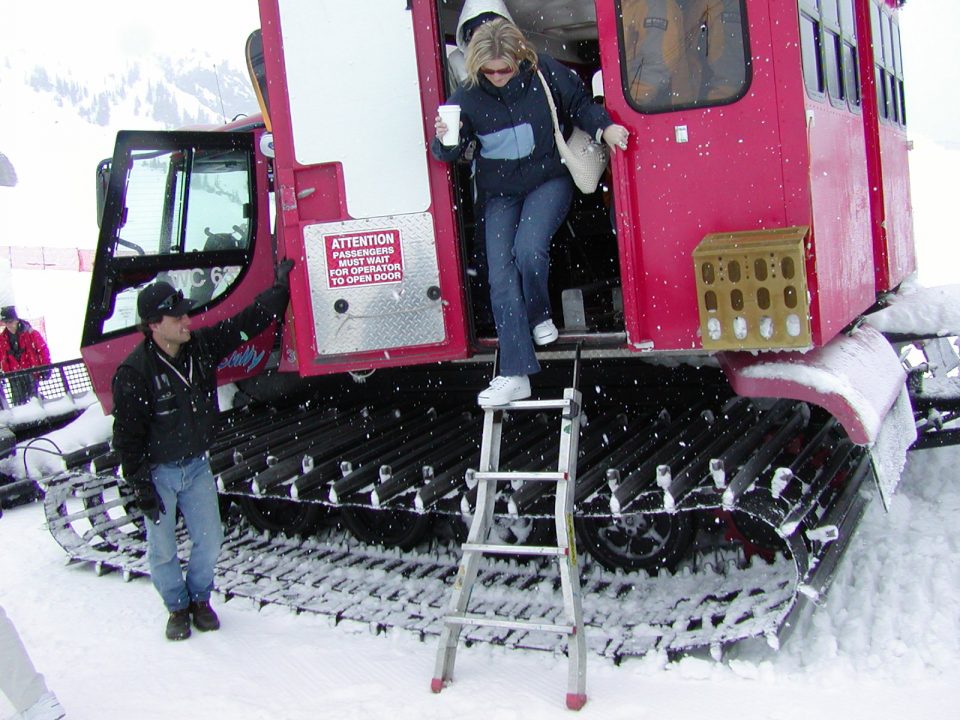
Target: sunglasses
(170, 302)
(490, 72)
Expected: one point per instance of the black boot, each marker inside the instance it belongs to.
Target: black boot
(204, 618)
(178, 625)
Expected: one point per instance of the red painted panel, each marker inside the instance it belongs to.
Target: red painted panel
(752, 164)
(842, 244)
(308, 195)
(901, 257)
(729, 176)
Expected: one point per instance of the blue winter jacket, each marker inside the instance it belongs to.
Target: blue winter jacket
(516, 148)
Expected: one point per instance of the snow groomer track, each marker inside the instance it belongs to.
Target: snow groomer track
(750, 507)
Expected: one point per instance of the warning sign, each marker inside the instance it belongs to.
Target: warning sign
(363, 258)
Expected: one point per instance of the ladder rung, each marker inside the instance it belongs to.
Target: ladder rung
(558, 404)
(484, 621)
(522, 475)
(544, 550)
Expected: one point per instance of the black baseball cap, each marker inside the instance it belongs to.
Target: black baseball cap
(161, 299)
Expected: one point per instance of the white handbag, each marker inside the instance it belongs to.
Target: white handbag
(585, 158)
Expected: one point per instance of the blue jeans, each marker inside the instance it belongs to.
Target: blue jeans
(519, 229)
(189, 485)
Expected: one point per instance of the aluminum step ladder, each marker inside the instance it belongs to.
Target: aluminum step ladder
(565, 552)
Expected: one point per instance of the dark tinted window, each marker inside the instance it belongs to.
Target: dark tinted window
(683, 53)
(834, 73)
(888, 64)
(851, 74)
(810, 51)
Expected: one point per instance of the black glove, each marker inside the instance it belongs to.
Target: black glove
(147, 498)
(282, 276)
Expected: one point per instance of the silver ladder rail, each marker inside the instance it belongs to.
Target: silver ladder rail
(565, 551)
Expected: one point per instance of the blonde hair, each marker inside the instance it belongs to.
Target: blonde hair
(497, 40)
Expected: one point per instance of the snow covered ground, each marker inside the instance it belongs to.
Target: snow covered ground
(885, 645)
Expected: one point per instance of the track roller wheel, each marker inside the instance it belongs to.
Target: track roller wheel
(281, 516)
(390, 528)
(637, 541)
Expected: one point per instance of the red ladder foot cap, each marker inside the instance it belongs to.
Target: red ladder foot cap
(575, 701)
(436, 685)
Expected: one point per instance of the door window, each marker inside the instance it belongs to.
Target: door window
(683, 53)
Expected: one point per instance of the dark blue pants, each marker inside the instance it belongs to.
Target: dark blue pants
(519, 229)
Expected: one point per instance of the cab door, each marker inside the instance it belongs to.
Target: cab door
(352, 89)
(189, 208)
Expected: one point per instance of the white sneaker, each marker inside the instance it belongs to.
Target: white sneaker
(505, 389)
(46, 708)
(545, 333)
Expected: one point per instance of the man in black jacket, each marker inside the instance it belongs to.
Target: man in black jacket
(165, 402)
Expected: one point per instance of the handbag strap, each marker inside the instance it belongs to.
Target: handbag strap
(553, 107)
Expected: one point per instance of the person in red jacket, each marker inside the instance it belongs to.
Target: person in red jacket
(21, 348)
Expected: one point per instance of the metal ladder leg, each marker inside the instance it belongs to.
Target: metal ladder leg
(470, 561)
(569, 569)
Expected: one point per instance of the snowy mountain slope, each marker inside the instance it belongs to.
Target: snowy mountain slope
(65, 121)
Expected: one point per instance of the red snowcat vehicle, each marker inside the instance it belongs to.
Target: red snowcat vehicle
(736, 415)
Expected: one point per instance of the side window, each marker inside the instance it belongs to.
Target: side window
(898, 69)
(828, 47)
(851, 69)
(832, 44)
(888, 65)
(154, 187)
(214, 185)
(813, 75)
(683, 53)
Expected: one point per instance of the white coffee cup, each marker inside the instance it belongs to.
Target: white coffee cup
(450, 114)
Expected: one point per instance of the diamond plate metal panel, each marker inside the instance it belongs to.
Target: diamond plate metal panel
(374, 284)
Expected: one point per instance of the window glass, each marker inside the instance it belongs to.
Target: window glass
(882, 91)
(834, 74)
(887, 42)
(875, 32)
(903, 104)
(851, 74)
(218, 200)
(154, 185)
(683, 53)
(217, 194)
(810, 52)
(889, 96)
(897, 57)
(846, 19)
(124, 313)
(184, 201)
(894, 98)
(829, 13)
